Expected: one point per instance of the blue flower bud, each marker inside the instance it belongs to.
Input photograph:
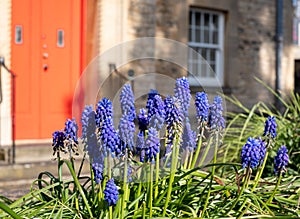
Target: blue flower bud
(202, 106)
(250, 155)
(216, 119)
(183, 94)
(111, 193)
(281, 160)
(127, 102)
(270, 127)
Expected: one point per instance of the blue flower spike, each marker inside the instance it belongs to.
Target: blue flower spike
(183, 94)
(111, 193)
(189, 137)
(127, 102)
(215, 119)
(281, 160)
(71, 130)
(152, 145)
(251, 154)
(58, 142)
(202, 106)
(270, 127)
(98, 166)
(127, 130)
(143, 120)
(156, 110)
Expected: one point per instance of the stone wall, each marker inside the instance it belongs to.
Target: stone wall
(249, 43)
(249, 47)
(256, 48)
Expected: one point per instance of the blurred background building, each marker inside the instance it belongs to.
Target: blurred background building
(49, 44)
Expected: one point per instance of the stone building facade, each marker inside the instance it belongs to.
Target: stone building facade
(248, 47)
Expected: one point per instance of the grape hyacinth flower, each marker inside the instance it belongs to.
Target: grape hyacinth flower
(281, 160)
(104, 111)
(143, 120)
(150, 101)
(127, 130)
(250, 155)
(58, 141)
(188, 137)
(88, 123)
(202, 106)
(173, 114)
(152, 145)
(156, 111)
(215, 118)
(183, 94)
(140, 145)
(262, 150)
(173, 121)
(127, 102)
(129, 174)
(98, 166)
(110, 138)
(270, 127)
(111, 193)
(71, 130)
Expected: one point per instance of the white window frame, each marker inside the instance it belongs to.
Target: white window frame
(219, 59)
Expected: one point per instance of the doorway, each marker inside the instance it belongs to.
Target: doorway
(46, 47)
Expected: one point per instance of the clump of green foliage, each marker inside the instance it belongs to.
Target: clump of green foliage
(165, 177)
(249, 122)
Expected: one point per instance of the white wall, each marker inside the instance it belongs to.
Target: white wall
(5, 36)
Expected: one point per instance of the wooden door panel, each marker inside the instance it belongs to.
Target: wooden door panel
(44, 96)
(57, 81)
(27, 107)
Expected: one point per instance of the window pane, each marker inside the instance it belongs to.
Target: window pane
(215, 22)
(213, 55)
(198, 37)
(203, 53)
(195, 68)
(213, 67)
(204, 69)
(206, 36)
(208, 55)
(211, 73)
(215, 37)
(198, 18)
(206, 20)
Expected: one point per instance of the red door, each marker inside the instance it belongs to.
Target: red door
(46, 46)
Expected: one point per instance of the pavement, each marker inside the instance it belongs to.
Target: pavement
(31, 159)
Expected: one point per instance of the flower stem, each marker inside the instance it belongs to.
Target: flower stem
(144, 210)
(198, 146)
(156, 175)
(151, 190)
(185, 165)
(212, 173)
(276, 188)
(125, 185)
(256, 179)
(242, 190)
(110, 212)
(205, 153)
(138, 195)
(175, 152)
